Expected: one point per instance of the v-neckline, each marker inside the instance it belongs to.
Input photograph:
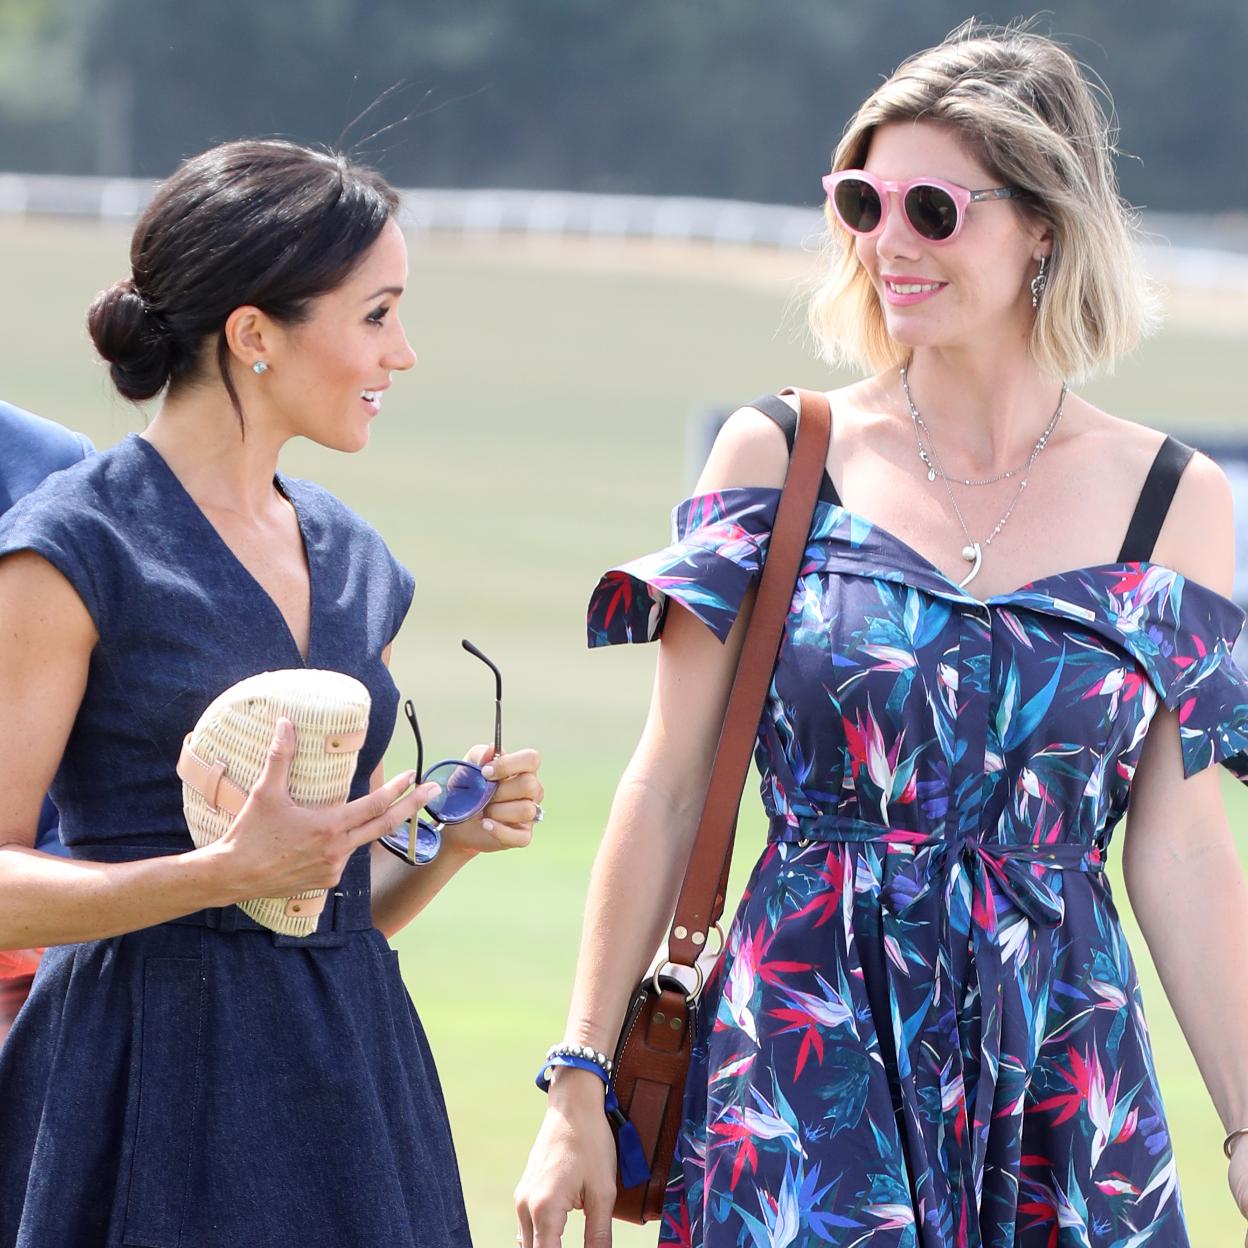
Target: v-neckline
(283, 487)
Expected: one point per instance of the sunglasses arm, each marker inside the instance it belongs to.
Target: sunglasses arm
(498, 691)
(410, 711)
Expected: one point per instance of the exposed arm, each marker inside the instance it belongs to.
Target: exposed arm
(1187, 889)
(655, 813)
(273, 848)
(1181, 866)
(639, 867)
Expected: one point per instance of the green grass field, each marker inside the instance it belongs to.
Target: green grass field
(540, 439)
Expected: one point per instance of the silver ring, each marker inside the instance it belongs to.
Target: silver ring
(540, 815)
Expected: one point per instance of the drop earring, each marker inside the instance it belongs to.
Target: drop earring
(1038, 283)
(261, 367)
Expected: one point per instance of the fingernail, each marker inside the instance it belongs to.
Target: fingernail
(488, 771)
(434, 790)
(488, 824)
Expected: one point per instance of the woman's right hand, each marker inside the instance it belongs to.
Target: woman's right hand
(276, 848)
(571, 1166)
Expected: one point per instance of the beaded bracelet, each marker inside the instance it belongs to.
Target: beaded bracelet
(1229, 1142)
(588, 1052)
(634, 1168)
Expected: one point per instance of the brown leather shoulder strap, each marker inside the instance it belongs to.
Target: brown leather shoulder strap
(701, 900)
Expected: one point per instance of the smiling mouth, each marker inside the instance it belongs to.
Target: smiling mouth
(912, 288)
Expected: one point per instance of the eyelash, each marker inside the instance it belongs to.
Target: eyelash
(378, 316)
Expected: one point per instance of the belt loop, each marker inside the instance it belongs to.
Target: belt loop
(226, 918)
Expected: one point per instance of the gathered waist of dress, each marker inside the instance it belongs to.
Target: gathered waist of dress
(113, 851)
(1063, 855)
(842, 828)
(1021, 872)
(348, 906)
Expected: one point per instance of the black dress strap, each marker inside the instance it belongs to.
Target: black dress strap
(1154, 501)
(774, 407)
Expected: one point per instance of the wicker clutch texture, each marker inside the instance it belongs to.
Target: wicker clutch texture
(225, 754)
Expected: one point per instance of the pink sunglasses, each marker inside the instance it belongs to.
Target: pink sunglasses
(934, 209)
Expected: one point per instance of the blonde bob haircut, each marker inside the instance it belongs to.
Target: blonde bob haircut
(1020, 104)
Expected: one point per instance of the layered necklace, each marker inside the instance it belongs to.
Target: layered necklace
(973, 551)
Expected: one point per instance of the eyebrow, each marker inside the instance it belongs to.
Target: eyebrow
(385, 290)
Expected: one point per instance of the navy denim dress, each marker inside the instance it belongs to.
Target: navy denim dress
(205, 1083)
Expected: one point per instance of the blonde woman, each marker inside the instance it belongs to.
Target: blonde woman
(1010, 628)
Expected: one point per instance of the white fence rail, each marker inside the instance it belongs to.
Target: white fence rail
(1206, 253)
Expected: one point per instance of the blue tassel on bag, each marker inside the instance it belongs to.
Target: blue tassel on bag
(633, 1166)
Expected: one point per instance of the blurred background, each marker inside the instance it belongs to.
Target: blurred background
(614, 219)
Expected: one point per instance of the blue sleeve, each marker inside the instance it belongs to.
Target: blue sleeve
(403, 587)
(1186, 650)
(74, 540)
(717, 553)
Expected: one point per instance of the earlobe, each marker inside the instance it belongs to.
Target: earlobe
(246, 334)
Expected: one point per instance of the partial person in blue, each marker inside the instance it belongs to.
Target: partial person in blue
(31, 448)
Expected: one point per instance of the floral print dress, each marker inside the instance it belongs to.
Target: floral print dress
(926, 1029)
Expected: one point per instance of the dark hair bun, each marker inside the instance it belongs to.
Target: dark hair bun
(132, 339)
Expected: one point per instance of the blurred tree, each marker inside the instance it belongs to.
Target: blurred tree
(730, 97)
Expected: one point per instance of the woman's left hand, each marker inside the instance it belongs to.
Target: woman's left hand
(507, 822)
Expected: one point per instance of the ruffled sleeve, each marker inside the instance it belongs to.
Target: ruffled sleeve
(719, 543)
(1189, 660)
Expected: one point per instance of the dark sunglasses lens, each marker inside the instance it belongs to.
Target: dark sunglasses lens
(857, 205)
(932, 212)
(428, 841)
(465, 791)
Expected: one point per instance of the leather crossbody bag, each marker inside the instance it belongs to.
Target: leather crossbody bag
(652, 1055)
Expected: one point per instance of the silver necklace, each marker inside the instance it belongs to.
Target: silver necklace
(934, 470)
(973, 551)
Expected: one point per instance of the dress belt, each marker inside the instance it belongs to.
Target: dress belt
(1016, 870)
(348, 908)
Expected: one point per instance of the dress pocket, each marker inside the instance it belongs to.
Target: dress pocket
(170, 1062)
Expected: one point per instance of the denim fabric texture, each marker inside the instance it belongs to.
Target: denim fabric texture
(202, 1083)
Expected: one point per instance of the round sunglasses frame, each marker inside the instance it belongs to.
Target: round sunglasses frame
(424, 839)
(886, 190)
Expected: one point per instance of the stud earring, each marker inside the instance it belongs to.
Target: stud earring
(1038, 283)
(259, 367)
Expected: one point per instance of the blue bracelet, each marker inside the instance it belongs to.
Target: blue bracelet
(633, 1167)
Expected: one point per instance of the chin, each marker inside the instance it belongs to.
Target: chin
(347, 441)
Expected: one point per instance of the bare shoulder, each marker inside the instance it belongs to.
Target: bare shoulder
(1198, 537)
(1107, 439)
(749, 450)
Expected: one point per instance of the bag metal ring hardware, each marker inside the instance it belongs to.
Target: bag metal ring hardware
(697, 988)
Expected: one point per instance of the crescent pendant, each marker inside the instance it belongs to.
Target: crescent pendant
(978, 557)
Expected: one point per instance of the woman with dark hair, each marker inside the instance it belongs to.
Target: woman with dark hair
(180, 1074)
(1010, 624)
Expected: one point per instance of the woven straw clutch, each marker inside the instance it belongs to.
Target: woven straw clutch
(225, 754)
